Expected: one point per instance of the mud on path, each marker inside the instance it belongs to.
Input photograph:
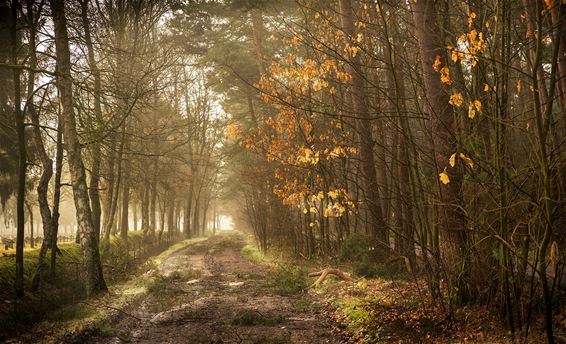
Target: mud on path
(208, 293)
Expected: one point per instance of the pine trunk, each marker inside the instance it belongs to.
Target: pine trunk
(452, 220)
(377, 226)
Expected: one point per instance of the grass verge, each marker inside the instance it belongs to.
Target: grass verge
(68, 287)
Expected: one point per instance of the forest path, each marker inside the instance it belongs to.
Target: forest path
(208, 293)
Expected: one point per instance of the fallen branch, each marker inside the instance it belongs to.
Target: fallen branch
(329, 271)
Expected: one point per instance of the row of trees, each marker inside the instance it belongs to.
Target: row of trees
(101, 97)
(436, 128)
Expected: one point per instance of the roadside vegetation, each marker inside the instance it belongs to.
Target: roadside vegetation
(18, 316)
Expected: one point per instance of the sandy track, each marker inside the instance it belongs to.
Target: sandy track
(221, 298)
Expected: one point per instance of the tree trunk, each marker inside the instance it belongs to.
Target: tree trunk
(145, 208)
(196, 217)
(89, 241)
(124, 223)
(56, 197)
(153, 199)
(171, 215)
(46, 161)
(215, 218)
(558, 20)
(452, 219)
(257, 35)
(187, 214)
(94, 186)
(109, 183)
(30, 212)
(22, 163)
(135, 215)
(396, 82)
(377, 225)
(112, 197)
(152, 208)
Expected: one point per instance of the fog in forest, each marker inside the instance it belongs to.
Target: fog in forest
(282, 171)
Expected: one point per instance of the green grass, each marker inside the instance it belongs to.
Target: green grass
(355, 309)
(252, 253)
(182, 244)
(70, 259)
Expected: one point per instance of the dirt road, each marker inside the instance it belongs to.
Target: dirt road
(208, 293)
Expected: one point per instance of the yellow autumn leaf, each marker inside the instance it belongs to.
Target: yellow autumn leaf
(456, 99)
(328, 211)
(452, 160)
(549, 3)
(456, 55)
(444, 177)
(333, 194)
(467, 160)
(339, 209)
(477, 104)
(485, 87)
(471, 18)
(445, 76)
(518, 86)
(437, 63)
(471, 111)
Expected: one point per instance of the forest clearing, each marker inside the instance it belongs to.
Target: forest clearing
(283, 171)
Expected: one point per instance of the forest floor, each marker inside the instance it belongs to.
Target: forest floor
(208, 292)
(221, 290)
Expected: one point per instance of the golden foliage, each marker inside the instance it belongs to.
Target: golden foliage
(456, 99)
(444, 177)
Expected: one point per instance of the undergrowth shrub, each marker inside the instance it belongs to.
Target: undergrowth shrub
(365, 259)
(288, 280)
